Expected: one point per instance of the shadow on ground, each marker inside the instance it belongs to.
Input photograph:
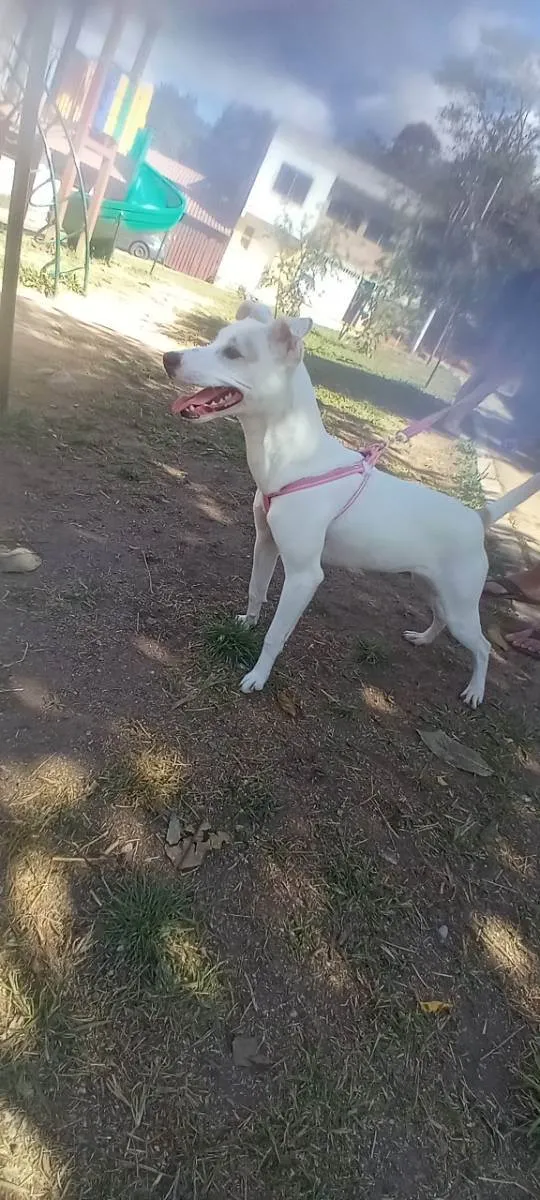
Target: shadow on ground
(363, 877)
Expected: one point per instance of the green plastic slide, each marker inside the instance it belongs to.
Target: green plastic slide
(151, 203)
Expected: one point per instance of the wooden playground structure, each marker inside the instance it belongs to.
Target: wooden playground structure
(33, 73)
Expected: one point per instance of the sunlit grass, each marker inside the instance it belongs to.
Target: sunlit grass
(148, 929)
(381, 424)
(389, 360)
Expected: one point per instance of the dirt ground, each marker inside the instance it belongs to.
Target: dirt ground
(363, 877)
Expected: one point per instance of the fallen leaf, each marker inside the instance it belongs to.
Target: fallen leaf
(173, 853)
(436, 1006)
(174, 830)
(497, 638)
(289, 703)
(190, 851)
(452, 752)
(218, 840)
(246, 1052)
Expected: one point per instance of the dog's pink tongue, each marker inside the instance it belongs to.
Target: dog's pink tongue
(203, 397)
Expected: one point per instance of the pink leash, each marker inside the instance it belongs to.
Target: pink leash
(426, 423)
(362, 467)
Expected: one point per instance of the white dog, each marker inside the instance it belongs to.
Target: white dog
(254, 371)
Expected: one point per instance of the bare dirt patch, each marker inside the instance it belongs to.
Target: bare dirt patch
(363, 879)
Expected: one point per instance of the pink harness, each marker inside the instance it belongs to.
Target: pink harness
(363, 466)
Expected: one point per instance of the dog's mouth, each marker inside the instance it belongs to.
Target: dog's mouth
(206, 403)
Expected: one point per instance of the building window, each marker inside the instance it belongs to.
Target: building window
(247, 237)
(293, 185)
(346, 213)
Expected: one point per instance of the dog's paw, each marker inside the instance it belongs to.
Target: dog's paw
(414, 637)
(254, 681)
(246, 620)
(472, 695)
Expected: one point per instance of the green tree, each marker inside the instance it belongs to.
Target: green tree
(178, 129)
(415, 149)
(305, 258)
(481, 216)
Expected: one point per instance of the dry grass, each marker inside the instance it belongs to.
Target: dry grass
(364, 877)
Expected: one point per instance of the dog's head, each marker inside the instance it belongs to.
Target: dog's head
(247, 368)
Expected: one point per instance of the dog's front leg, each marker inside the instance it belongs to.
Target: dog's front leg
(265, 554)
(299, 588)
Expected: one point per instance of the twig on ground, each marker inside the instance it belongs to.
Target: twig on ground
(17, 661)
(145, 560)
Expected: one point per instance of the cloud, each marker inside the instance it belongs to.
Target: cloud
(468, 27)
(193, 67)
(475, 31)
(198, 58)
(413, 96)
(290, 101)
(309, 61)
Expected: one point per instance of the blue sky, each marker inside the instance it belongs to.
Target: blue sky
(340, 66)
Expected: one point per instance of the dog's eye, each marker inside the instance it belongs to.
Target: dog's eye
(231, 352)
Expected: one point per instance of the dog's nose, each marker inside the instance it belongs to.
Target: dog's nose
(172, 360)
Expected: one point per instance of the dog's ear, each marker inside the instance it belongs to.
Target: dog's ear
(258, 312)
(300, 326)
(286, 337)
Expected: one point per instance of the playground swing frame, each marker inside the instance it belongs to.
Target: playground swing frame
(59, 240)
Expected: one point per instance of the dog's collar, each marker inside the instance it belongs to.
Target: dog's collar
(363, 466)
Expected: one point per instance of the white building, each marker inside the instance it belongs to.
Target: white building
(314, 182)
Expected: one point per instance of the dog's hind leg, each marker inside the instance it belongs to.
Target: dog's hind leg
(437, 625)
(466, 628)
(265, 555)
(459, 597)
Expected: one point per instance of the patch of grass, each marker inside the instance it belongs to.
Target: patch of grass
(252, 803)
(302, 933)
(529, 1087)
(363, 906)
(378, 421)
(148, 927)
(468, 487)
(228, 440)
(22, 427)
(371, 651)
(32, 1014)
(28, 1169)
(131, 473)
(150, 774)
(42, 279)
(34, 277)
(229, 642)
(389, 360)
(54, 783)
(308, 1145)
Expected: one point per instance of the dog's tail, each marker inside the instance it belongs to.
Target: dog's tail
(498, 508)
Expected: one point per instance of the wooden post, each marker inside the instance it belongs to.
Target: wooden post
(80, 10)
(19, 56)
(90, 105)
(98, 194)
(104, 174)
(39, 46)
